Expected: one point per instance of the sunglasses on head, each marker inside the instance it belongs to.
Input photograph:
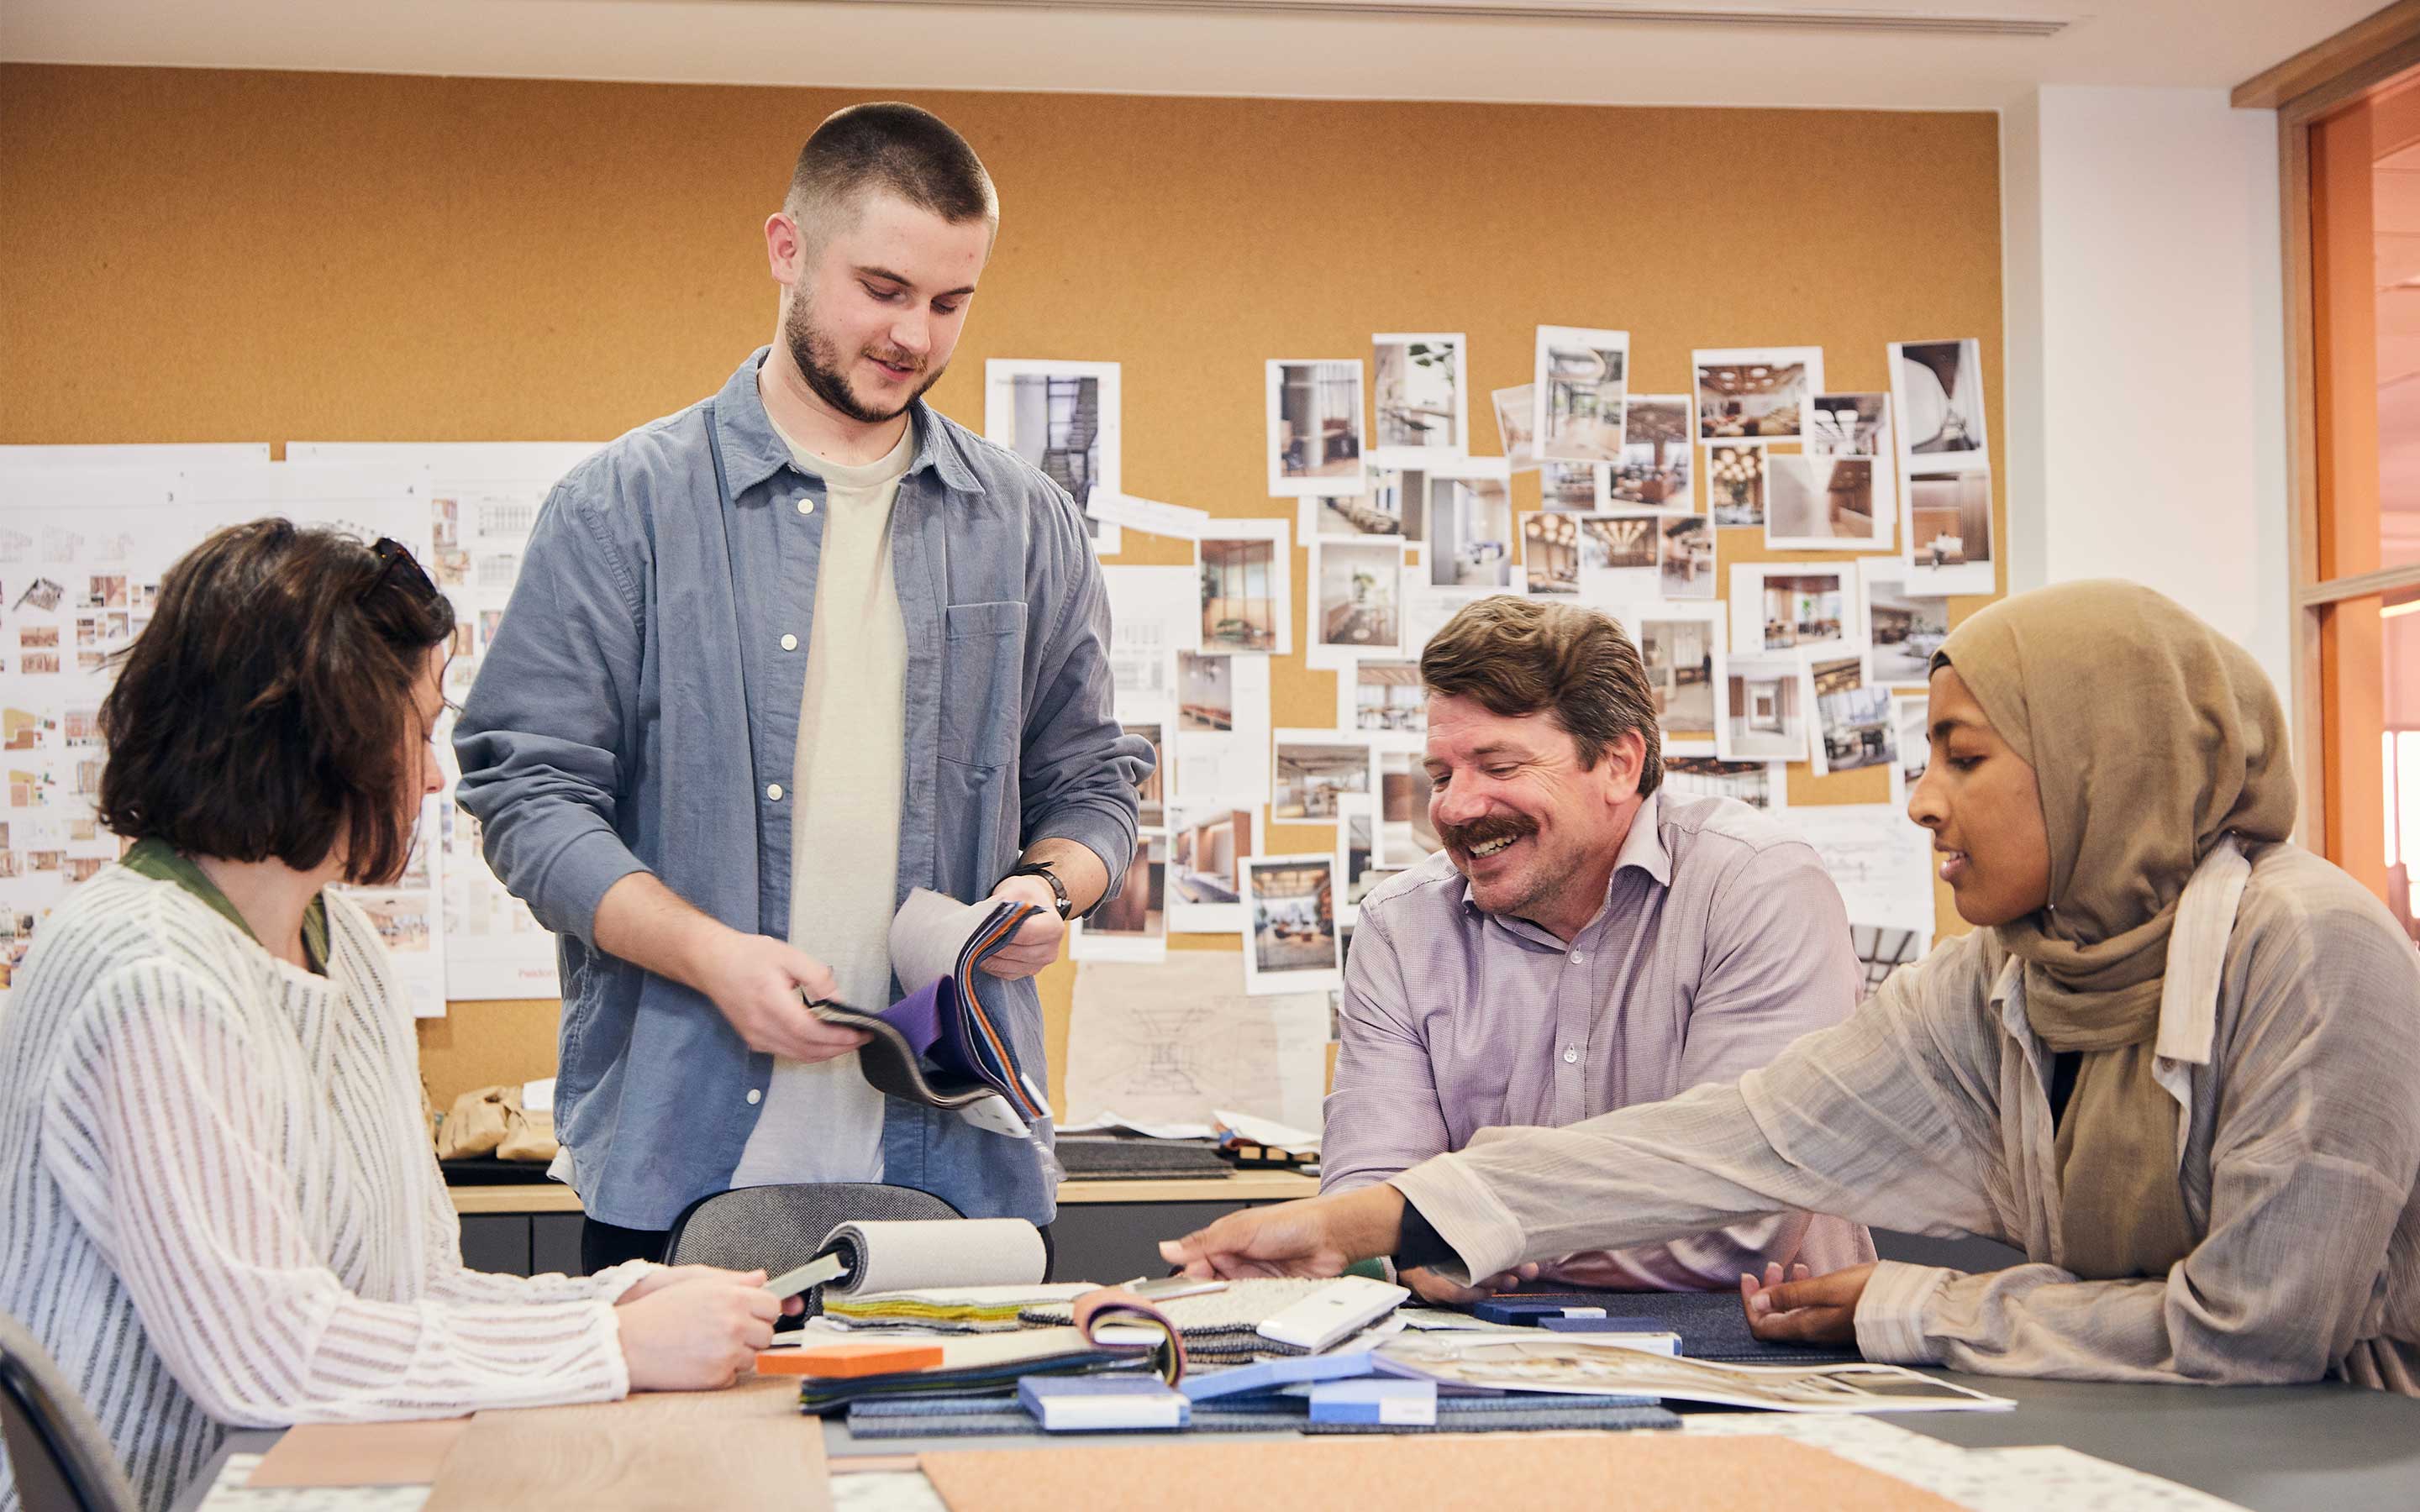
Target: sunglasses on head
(392, 554)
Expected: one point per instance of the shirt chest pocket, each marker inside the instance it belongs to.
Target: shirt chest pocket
(983, 683)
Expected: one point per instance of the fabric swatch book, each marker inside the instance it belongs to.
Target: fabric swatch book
(940, 1045)
(1113, 1332)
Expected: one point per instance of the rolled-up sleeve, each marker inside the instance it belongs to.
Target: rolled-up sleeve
(540, 740)
(1079, 769)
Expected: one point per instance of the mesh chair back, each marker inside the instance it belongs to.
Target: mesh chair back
(60, 1459)
(775, 1229)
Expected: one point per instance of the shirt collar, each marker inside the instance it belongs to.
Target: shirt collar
(752, 451)
(1642, 848)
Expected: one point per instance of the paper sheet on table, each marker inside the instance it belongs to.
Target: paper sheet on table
(1175, 1042)
(1880, 861)
(1262, 1131)
(1111, 1120)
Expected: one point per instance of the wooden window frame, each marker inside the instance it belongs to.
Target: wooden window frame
(2305, 90)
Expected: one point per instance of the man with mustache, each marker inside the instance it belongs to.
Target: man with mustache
(771, 662)
(1585, 941)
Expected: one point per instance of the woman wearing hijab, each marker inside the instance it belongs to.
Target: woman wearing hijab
(2176, 1063)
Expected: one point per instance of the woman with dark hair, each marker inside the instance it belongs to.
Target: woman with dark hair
(2174, 1063)
(223, 1207)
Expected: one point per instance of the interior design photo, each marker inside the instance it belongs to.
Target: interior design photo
(1061, 416)
(1141, 907)
(1311, 777)
(1293, 915)
(1822, 498)
(1735, 483)
(1406, 836)
(1950, 518)
(1853, 717)
(1685, 557)
(1941, 389)
(1388, 698)
(1751, 399)
(1679, 656)
(1904, 628)
(1314, 427)
(1848, 424)
(1571, 487)
(1379, 512)
(1206, 851)
(1358, 845)
(1708, 776)
(1516, 421)
(1582, 378)
(1360, 584)
(1469, 533)
(1205, 693)
(1623, 543)
(1238, 602)
(1550, 554)
(1152, 792)
(1419, 393)
(1654, 464)
(1764, 709)
(1803, 607)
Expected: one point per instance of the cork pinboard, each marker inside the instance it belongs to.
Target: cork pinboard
(214, 255)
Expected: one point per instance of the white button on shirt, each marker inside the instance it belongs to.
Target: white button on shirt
(1578, 958)
(773, 791)
(806, 506)
(1571, 1056)
(755, 1096)
(789, 642)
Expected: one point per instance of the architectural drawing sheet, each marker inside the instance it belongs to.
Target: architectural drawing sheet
(1880, 859)
(484, 499)
(1168, 1043)
(82, 553)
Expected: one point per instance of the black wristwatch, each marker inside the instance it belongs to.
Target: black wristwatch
(1065, 904)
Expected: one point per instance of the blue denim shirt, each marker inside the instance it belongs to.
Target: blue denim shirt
(636, 705)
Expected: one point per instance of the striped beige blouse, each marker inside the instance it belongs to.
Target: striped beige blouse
(219, 1205)
(2289, 1037)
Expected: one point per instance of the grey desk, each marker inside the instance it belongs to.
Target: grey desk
(2270, 1448)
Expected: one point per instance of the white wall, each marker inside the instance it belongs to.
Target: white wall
(2145, 351)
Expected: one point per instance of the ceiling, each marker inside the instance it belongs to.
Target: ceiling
(1168, 47)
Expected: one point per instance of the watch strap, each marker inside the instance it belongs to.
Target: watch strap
(1058, 888)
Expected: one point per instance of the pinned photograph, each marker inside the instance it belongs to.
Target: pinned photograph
(1247, 595)
(1207, 845)
(1580, 381)
(1550, 554)
(1825, 503)
(1290, 944)
(1853, 719)
(1685, 557)
(1655, 443)
(1938, 389)
(1153, 793)
(1849, 424)
(1575, 488)
(1761, 785)
(1406, 836)
(1205, 694)
(1421, 398)
(1063, 418)
(1516, 425)
(1617, 557)
(1762, 393)
(1469, 528)
(1382, 698)
(1950, 532)
(1358, 607)
(1904, 630)
(1882, 950)
(1402, 493)
(1314, 412)
(1132, 926)
(1314, 769)
(1776, 607)
(1222, 727)
(1911, 729)
(1735, 483)
(1357, 854)
(1681, 646)
(1379, 512)
(1766, 702)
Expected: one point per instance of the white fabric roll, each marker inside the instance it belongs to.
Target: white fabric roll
(911, 1254)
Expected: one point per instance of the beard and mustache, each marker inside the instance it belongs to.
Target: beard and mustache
(1484, 830)
(818, 360)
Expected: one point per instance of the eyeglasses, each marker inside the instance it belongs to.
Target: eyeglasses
(392, 553)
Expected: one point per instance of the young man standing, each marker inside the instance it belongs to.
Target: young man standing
(1583, 942)
(771, 662)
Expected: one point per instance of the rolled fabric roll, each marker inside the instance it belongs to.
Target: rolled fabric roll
(914, 1254)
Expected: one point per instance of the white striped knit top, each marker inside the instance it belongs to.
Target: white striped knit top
(219, 1205)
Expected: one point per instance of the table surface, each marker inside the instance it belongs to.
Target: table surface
(2270, 1448)
(1239, 1186)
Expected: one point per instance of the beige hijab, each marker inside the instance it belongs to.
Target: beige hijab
(2150, 736)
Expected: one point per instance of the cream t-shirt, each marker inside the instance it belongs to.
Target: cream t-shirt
(822, 1122)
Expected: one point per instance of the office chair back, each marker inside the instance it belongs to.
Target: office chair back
(775, 1229)
(60, 1459)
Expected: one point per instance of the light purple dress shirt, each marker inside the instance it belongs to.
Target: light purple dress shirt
(1722, 939)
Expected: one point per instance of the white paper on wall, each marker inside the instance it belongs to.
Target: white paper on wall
(1172, 1042)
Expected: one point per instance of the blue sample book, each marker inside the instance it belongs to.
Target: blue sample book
(1061, 1403)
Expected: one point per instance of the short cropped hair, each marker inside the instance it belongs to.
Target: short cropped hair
(1516, 656)
(911, 153)
(267, 711)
